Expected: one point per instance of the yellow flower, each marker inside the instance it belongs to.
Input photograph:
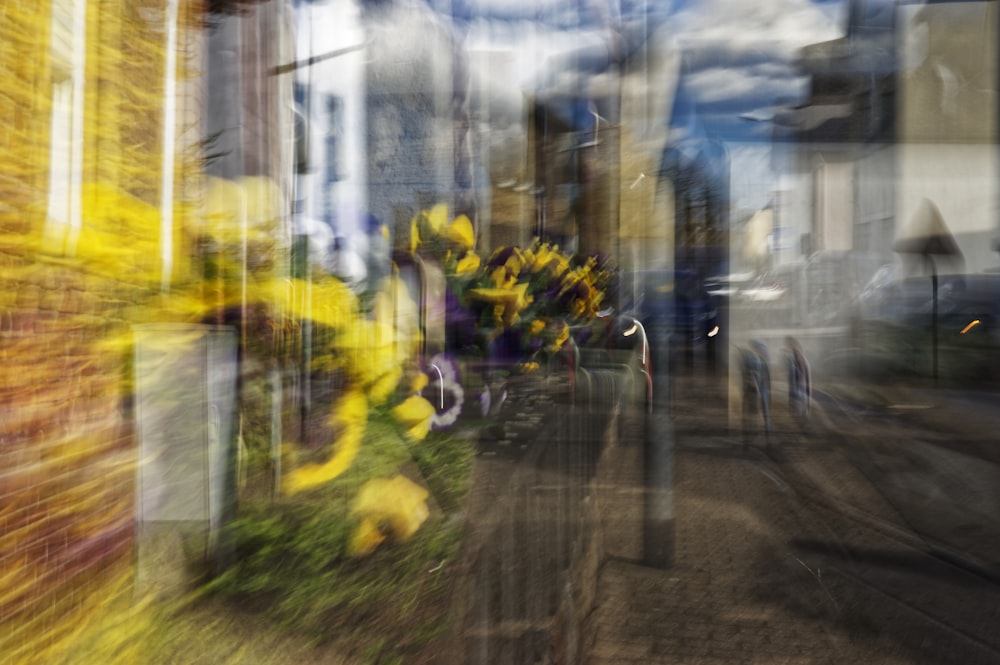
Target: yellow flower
(177, 306)
(561, 336)
(328, 301)
(427, 225)
(367, 537)
(546, 256)
(538, 257)
(513, 298)
(249, 208)
(415, 414)
(461, 233)
(389, 508)
(437, 218)
(557, 264)
(419, 382)
(515, 262)
(395, 309)
(350, 418)
(537, 326)
(382, 388)
(500, 278)
(528, 257)
(370, 349)
(414, 234)
(265, 202)
(468, 263)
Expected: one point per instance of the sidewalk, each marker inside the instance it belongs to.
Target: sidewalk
(733, 595)
(762, 576)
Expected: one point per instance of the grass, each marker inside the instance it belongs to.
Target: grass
(292, 568)
(292, 594)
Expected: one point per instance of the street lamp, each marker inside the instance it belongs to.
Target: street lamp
(927, 237)
(658, 454)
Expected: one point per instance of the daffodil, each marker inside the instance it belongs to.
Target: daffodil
(119, 235)
(389, 509)
(350, 418)
(178, 306)
(265, 203)
(248, 209)
(223, 205)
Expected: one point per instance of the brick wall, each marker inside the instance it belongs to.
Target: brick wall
(67, 459)
(67, 452)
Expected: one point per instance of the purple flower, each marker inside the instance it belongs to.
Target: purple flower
(500, 257)
(507, 346)
(460, 323)
(444, 391)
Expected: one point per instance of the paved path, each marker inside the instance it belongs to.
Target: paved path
(525, 515)
(788, 550)
(786, 554)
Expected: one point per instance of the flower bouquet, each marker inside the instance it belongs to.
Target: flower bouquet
(514, 309)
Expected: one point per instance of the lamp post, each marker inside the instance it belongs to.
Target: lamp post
(658, 459)
(928, 236)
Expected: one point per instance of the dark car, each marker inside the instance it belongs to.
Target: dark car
(900, 320)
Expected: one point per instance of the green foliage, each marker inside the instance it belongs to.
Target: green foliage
(292, 565)
(444, 460)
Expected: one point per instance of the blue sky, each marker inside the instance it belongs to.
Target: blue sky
(737, 60)
(737, 55)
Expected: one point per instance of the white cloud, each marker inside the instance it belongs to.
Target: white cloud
(723, 83)
(787, 24)
(740, 53)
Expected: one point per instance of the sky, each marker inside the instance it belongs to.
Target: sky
(737, 61)
(737, 55)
